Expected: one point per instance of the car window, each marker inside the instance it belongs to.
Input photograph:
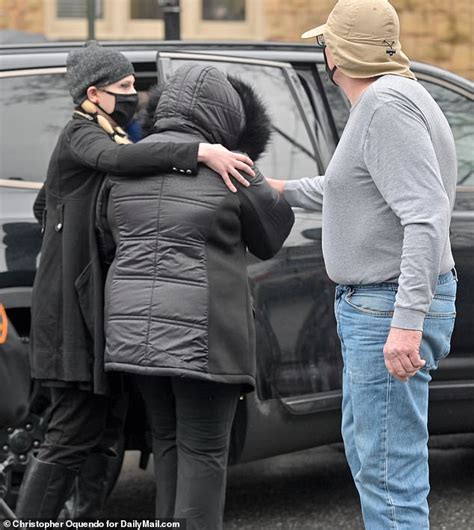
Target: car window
(290, 154)
(337, 101)
(318, 115)
(33, 110)
(459, 111)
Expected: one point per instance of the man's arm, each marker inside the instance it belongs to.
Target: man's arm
(304, 193)
(402, 162)
(266, 218)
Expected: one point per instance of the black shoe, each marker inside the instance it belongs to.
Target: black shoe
(44, 490)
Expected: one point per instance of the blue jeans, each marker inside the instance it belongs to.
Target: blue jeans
(384, 421)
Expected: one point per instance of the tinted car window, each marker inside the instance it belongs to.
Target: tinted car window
(318, 115)
(291, 154)
(34, 109)
(459, 111)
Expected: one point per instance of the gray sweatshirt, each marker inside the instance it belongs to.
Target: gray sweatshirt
(388, 196)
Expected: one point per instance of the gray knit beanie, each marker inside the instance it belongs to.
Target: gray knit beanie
(94, 65)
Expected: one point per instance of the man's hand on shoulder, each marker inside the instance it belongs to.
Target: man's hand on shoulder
(226, 163)
(278, 185)
(402, 353)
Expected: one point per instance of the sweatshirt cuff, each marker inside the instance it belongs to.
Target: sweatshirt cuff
(408, 319)
(291, 192)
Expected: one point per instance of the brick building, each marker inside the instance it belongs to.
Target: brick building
(434, 31)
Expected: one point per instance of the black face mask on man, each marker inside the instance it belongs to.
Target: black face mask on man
(329, 71)
(125, 107)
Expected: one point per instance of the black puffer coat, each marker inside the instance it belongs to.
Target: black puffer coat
(67, 342)
(177, 296)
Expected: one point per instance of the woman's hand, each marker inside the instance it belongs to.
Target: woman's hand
(226, 163)
(278, 185)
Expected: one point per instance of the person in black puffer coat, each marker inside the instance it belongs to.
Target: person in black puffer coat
(178, 305)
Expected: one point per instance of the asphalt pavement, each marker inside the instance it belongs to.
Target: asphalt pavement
(311, 489)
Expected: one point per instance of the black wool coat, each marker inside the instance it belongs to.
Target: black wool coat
(67, 342)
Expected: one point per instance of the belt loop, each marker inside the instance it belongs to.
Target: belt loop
(455, 273)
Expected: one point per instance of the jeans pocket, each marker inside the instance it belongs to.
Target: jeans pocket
(442, 307)
(436, 342)
(373, 302)
(439, 326)
(365, 333)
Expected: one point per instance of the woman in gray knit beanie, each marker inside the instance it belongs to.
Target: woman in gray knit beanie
(105, 72)
(67, 341)
(94, 65)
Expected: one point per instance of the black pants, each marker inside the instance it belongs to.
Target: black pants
(80, 422)
(191, 422)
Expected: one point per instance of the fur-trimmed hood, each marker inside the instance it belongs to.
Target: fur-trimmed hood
(221, 109)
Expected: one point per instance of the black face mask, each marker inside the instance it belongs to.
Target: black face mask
(125, 107)
(329, 71)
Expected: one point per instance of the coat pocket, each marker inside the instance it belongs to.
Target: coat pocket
(84, 285)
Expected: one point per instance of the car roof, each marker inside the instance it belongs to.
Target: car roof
(53, 54)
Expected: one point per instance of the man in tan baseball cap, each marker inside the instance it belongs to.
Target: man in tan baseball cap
(363, 38)
(388, 194)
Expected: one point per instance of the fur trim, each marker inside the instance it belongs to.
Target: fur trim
(257, 131)
(147, 114)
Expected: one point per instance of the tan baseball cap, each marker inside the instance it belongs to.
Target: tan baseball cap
(364, 39)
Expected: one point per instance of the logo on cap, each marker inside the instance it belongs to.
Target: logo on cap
(390, 49)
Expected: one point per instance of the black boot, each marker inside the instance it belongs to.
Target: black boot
(91, 487)
(44, 490)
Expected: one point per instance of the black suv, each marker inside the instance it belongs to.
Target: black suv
(298, 397)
